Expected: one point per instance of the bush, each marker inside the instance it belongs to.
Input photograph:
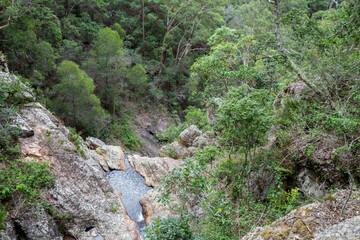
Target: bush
(24, 180)
(122, 129)
(171, 228)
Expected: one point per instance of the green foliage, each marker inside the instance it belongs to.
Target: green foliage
(77, 140)
(24, 180)
(243, 121)
(122, 129)
(194, 116)
(284, 201)
(170, 228)
(75, 101)
(138, 80)
(186, 182)
(207, 155)
(197, 116)
(3, 216)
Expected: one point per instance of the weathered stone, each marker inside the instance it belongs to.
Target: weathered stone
(187, 137)
(81, 193)
(260, 183)
(175, 150)
(94, 143)
(25, 92)
(308, 183)
(296, 88)
(25, 129)
(152, 169)
(348, 229)
(151, 207)
(320, 220)
(38, 225)
(99, 160)
(113, 156)
(8, 232)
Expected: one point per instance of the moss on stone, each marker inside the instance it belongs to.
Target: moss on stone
(301, 228)
(268, 234)
(308, 211)
(330, 198)
(283, 234)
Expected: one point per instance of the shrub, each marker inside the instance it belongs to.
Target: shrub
(24, 180)
(171, 228)
(122, 129)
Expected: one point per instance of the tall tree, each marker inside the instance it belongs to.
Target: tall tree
(75, 101)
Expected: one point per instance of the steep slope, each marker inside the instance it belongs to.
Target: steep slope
(80, 199)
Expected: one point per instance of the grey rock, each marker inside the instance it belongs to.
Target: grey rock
(153, 169)
(94, 143)
(187, 137)
(153, 208)
(260, 183)
(348, 229)
(25, 91)
(8, 232)
(307, 181)
(25, 129)
(176, 150)
(99, 160)
(113, 156)
(37, 225)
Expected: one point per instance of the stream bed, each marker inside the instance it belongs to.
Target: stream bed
(132, 187)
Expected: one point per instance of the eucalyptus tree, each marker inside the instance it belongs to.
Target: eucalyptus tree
(75, 101)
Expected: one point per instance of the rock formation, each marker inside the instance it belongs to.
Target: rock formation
(190, 140)
(81, 197)
(153, 169)
(318, 220)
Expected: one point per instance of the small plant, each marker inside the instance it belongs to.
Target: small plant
(3, 216)
(114, 206)
(76, 139)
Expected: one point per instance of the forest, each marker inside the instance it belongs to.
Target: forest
(282, 77)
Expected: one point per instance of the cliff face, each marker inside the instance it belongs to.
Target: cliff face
(81, 197)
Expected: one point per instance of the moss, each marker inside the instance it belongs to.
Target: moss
(308, 211)
(330, 198)
(283, 234)
(300, 228)
(268, 234)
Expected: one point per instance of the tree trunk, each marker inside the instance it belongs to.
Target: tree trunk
(143, 19)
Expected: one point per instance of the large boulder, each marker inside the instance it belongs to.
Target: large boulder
(348, 229)
(187, 137)
(39, 225)
(152, 207)
(153, 169)
(308, 182)
(108, 157)
(190, 140)
(25, 93)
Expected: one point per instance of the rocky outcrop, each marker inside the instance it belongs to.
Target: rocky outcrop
(190, 140)
(308, 183)
(319, 220)
(153, 208)
(108, 157)
(348, 229)
(153, 169)
(81, 196)
(187, 137)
